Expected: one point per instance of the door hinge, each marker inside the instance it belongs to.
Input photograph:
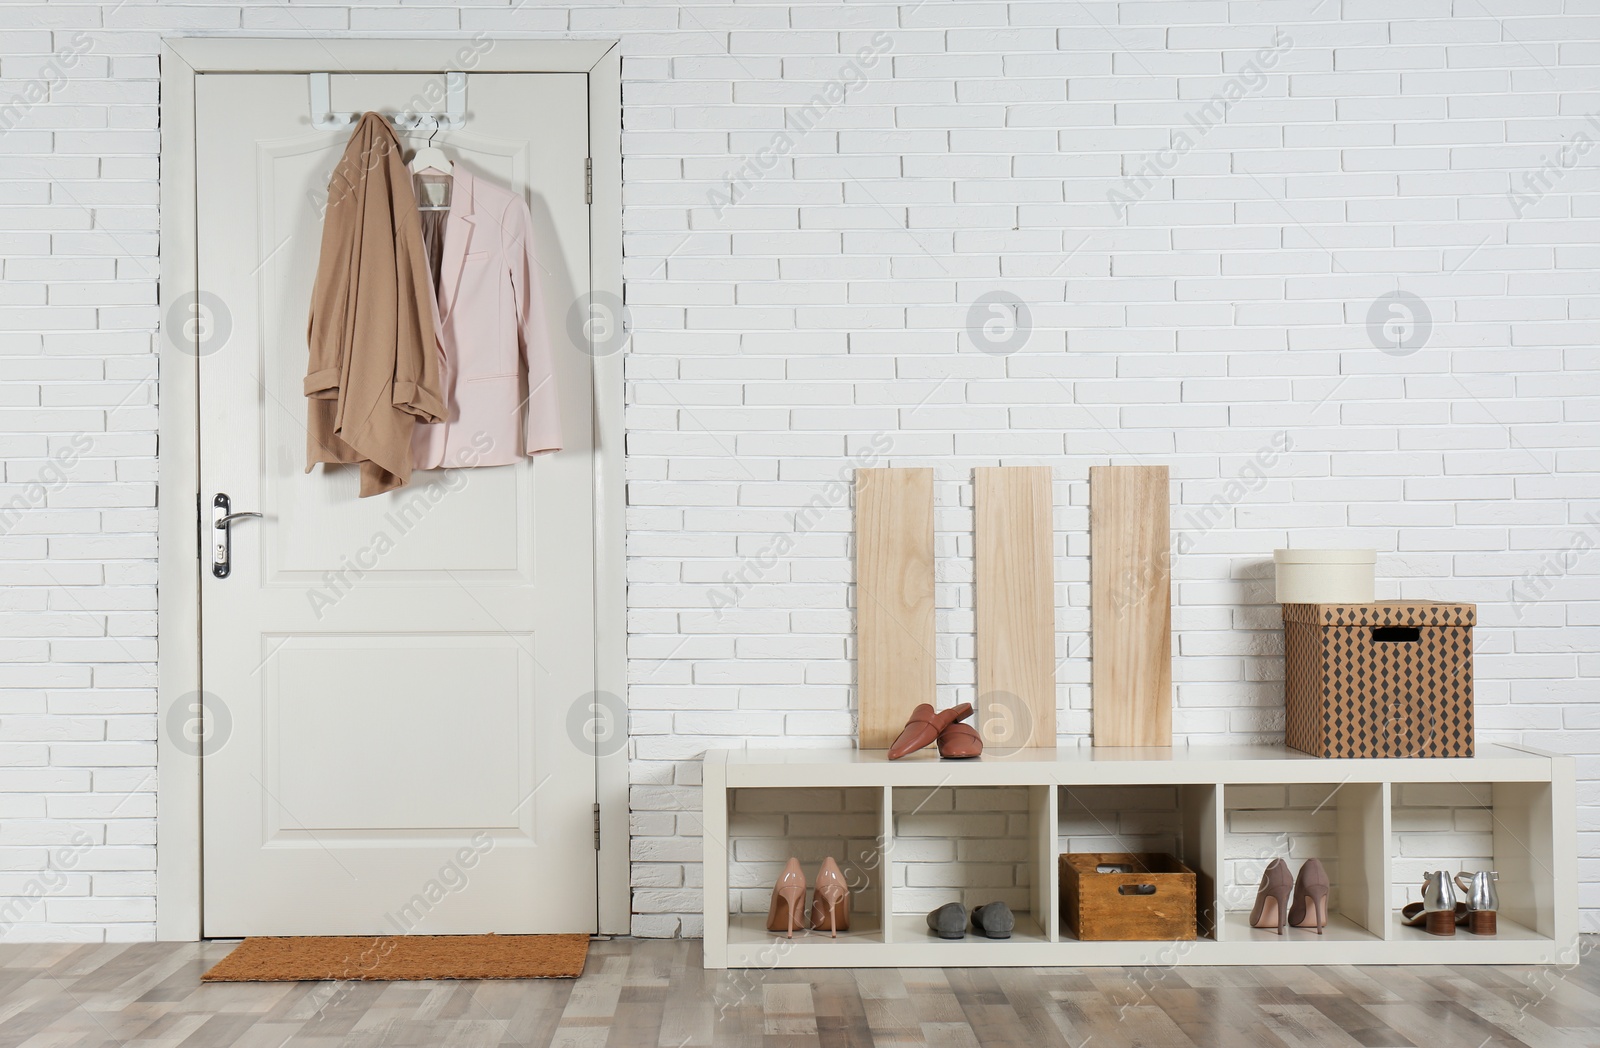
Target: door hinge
(588, 191)
(597, 827)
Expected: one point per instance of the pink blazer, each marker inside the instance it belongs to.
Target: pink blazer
(497, 371)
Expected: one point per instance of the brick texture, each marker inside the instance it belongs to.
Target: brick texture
(1332, 261)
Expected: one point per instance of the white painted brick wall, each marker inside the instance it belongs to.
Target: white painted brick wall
(966, 844)
(766, 827)
(1440, 826)
(1412, 145)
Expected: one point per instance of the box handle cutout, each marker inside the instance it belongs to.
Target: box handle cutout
(1136, 889)
(1396, 633)
(1113, 867)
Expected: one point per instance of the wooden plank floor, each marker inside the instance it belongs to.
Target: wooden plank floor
(653, 994)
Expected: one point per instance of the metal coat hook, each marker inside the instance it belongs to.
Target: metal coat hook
(453, 118)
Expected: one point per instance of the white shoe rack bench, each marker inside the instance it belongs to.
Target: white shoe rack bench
(1534, 851)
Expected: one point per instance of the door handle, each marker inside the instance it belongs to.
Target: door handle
(222, 541)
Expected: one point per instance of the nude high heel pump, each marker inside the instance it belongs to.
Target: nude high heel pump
(1310, 908)
(788, 900)
(1272, 898)
(830, 907)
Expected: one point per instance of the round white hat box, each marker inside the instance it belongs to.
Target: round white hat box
(1325, 576)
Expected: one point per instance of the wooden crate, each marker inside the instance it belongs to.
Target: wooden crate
(1154, 900)
(1386, 679)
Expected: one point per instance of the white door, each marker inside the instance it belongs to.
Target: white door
(387, 681)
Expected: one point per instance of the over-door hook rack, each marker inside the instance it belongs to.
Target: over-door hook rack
(454, 116)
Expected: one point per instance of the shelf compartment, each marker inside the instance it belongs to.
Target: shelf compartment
(1468, 826)
(766, 827)
(1178, 819)
(972, 845)
(1344, 825)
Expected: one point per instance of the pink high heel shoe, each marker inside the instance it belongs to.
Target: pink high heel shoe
(831, 906)
(788, 900)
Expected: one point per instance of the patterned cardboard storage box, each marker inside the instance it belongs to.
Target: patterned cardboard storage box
(1386, 679)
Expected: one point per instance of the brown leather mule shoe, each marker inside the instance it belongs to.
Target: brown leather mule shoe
(960, 740)
(924, 726)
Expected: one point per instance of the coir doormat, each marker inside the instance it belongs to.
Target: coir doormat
(393, 958)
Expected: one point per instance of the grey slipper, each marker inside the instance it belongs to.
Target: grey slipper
(994, 920)
(949, 921)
